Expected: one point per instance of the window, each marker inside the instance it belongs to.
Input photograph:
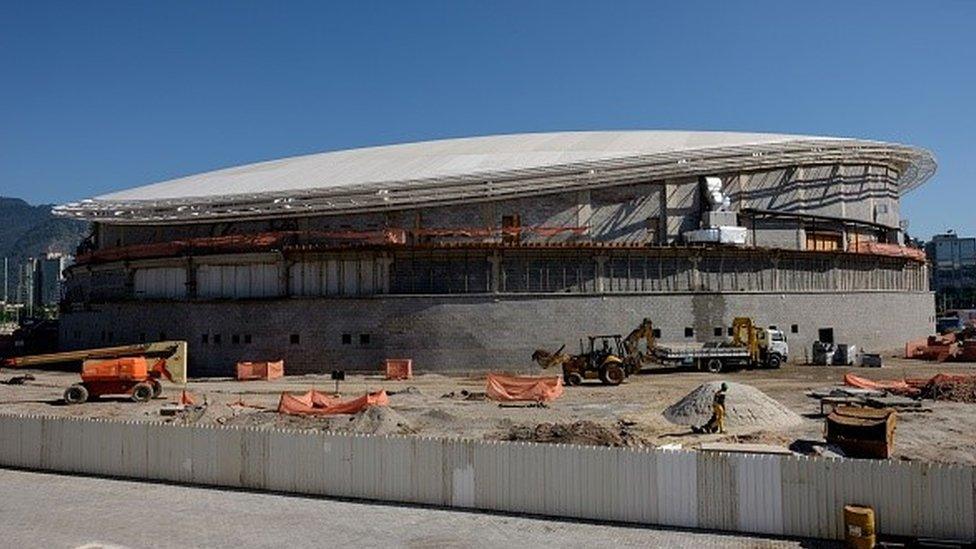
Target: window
(294, 339)
(773, 327)
(731, 331)
(795, 329)
(656, 332)
(364, 339)
(825, 335)
(347, 339)
(216, 339)
(823, 241)
(718, 331)
(689, 332)
(235, 339)
(205, 338)
(247, 339)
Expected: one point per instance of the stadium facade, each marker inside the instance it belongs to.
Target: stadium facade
(470, 253)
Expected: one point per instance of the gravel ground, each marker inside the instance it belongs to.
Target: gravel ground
(631, 413)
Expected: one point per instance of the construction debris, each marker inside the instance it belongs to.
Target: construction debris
(19, 380)
(954, 346)
(465, 394)
(581, 432)
(743, 448)
(949, 387)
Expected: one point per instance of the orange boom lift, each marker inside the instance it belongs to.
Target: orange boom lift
(123, 370)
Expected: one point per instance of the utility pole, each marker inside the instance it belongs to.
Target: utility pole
(6, 298)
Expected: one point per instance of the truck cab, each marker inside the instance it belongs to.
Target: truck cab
(767, 347)
(773, 348)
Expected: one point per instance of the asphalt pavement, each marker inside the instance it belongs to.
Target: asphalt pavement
(48, 510)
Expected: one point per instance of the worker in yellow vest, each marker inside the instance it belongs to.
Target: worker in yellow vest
(718, 407)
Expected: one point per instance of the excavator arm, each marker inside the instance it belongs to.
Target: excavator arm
(644, 331)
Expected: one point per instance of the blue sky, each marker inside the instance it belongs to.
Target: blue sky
(97, 96)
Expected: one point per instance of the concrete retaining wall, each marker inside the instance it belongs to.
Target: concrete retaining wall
(458, 332)
(776, 495)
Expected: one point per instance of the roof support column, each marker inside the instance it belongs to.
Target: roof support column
(601, 273)
(495, 263)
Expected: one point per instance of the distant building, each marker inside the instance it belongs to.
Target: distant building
(41, 280)
(953, 261)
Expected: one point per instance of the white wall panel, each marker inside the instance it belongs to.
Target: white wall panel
(238, 281)
(160, 282)
(779, 495)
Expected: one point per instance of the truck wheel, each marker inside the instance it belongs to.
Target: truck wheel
(714, 365)
(157, 388)
(775, 362)
(142, 392)
(612, 375)
(76, 394)
(574, 379)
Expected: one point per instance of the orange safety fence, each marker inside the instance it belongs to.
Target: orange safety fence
(248, 371)
(509, 388)
(187, 399)
(322, 404)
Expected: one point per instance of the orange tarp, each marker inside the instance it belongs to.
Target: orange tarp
(907, 387)
(894, 386)
(316, 403)
(508, 388)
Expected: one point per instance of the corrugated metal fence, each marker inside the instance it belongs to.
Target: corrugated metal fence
(737, 492)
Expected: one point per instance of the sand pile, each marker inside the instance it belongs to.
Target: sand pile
(379, 420)
(746, 408)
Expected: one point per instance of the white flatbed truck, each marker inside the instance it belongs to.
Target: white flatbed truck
(751, 347)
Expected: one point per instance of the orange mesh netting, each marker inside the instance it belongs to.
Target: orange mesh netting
(314, 402)
(507, 388)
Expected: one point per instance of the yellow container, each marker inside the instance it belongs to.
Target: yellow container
(859, 531)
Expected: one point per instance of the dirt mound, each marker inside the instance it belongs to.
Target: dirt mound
(951, 388)
(746, 409)
(379, 420)
(581, 432)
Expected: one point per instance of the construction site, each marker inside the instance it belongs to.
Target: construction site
(696, 292)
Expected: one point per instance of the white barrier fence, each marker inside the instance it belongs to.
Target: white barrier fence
(765, 494)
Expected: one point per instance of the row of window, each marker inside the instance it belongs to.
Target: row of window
(108, 336)
(717, 332)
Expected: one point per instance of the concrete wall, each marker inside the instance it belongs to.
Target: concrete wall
(452, 333)
(777, 495)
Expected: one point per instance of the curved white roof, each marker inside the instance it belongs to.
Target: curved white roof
(475, 168)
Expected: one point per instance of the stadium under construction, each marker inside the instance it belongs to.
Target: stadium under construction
(470, 253)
